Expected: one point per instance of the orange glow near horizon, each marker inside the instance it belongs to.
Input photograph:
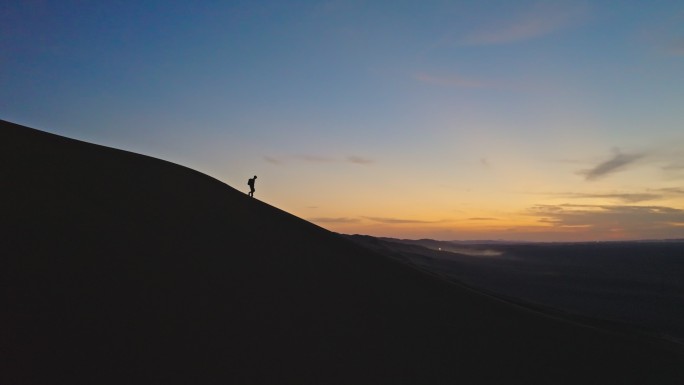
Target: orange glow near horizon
(445, 120)
(563, 222)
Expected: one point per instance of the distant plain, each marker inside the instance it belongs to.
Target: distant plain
(636, 285)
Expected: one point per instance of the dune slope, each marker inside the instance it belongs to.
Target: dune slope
(119, 268)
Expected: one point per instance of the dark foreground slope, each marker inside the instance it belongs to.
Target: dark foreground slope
(123, 269)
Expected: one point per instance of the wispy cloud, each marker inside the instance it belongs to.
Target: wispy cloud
(618, 162)
(452, 81)
(482, 219)
(675, 166)
(665, 35)
(672, 190)
(468, 82)
(315, 158)
(676, 47)
(332, 7)
(667, 157)
(354, 159)
(542, 19)
(359, 160)
(614, 220)
(334, 220)
(623, 197)
(272, 160)
(397, 220)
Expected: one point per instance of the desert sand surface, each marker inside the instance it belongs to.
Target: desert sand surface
(119, 268)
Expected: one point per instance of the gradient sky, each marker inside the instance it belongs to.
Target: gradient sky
(524, 120)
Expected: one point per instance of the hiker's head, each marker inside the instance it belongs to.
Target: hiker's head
(254, 176)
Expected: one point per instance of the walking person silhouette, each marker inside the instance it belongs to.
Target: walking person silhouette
(250, 182)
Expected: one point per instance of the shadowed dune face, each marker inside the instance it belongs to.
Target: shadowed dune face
(121, 268)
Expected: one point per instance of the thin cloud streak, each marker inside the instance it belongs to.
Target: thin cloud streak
(465, 82)
(543, 19)
(273, 160)
(672, 190)
(334, 220)
(315, 158)
(676, 47)
(354, 159)
(674, 167)
(666, 35)
(359, 160)
(618, 162)
(451, 81)
(613, 221)
(624, 197)
(397, 220)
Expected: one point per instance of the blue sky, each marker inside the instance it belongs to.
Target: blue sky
(539, 120)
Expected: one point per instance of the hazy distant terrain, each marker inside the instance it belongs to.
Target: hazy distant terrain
(638, 284)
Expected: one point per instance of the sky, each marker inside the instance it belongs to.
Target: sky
(450, 120)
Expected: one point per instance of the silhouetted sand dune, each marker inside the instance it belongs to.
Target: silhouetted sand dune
(119, 268)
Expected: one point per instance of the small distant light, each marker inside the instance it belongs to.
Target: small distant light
(440, 249)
